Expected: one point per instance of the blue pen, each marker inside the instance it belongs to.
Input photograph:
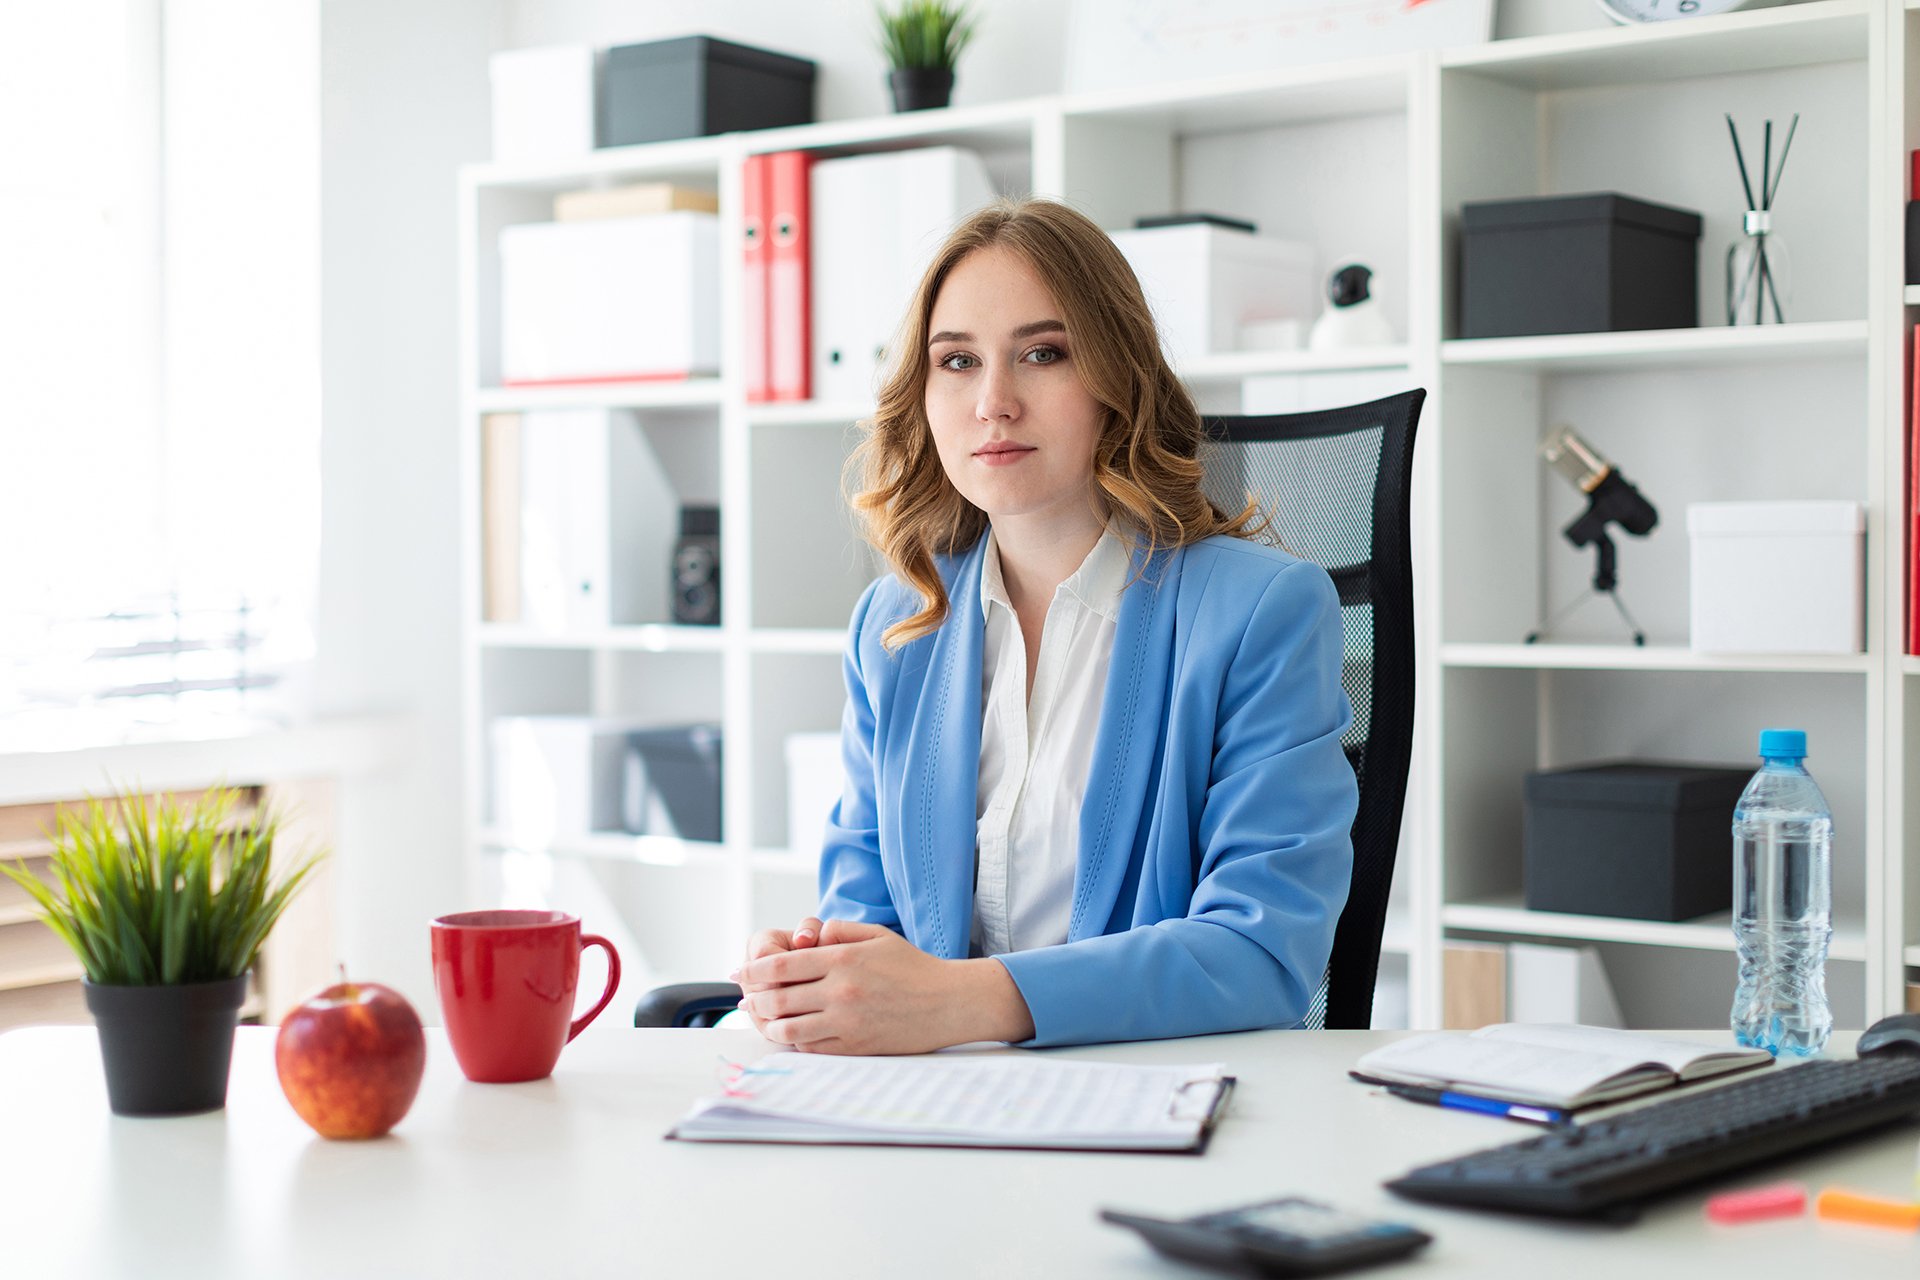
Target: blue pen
(1484, 1106)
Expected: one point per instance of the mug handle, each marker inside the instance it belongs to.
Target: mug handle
(613, 981)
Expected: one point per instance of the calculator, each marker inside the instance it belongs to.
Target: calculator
(1287, 1237)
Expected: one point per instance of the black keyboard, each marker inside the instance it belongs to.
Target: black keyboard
(1610, 1166)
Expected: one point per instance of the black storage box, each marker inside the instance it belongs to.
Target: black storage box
(672, 783)
(696, 86)
(1632, 838)
(1577, 264)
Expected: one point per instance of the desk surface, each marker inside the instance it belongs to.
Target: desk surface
(570, 1177)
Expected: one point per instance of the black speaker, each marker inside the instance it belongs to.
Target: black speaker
(696, 568)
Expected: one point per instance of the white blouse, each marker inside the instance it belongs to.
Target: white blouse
(1035, 752)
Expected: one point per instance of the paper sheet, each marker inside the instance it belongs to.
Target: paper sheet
(989, 1097)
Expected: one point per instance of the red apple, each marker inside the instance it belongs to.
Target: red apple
(350, 1059)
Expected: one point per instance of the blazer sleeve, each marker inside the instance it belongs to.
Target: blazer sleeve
(1274, 860)
(853, 885)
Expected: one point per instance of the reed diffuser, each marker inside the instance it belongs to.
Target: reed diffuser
(1759, 272)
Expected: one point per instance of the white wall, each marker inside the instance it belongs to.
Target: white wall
(403, 104)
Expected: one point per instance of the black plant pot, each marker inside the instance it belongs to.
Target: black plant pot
(918, 88)
(166, 1049)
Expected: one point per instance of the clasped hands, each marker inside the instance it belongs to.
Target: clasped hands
(841, 987)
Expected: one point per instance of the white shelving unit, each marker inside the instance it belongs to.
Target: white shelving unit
(1369, 160)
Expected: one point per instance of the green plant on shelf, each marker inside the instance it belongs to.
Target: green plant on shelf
(156, 892)
(925, 33)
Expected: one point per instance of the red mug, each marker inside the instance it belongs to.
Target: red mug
(507, 981)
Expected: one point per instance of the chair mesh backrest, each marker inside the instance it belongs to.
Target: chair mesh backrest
(1336, 486)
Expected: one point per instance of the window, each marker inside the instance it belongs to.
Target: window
(159, 342)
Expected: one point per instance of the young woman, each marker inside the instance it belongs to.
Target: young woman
(1095, 786)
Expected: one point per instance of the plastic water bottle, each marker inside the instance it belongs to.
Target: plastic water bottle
(1782, 902)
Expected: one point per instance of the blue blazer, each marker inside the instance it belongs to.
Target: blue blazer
(1215, 838)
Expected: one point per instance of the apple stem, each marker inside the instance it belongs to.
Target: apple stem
(343, 972)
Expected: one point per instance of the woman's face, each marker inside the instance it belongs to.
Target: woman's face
(1015, 428)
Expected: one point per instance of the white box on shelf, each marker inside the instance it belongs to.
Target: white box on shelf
(559, 775)
(1778, 577)
(876, 221)
(543, 102)
(1204, 282)
(598, 518)
(815, 779)
(610, 300)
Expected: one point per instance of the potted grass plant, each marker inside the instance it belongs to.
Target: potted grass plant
(166, 903)
(922, 40)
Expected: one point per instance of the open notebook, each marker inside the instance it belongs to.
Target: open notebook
(1552, 1066)
(963, 1100)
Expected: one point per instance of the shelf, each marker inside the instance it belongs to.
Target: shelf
(1912, 954)
(1624, 657)
(1507, 915)
(1256, 99)
(686, 393)
(1663, 348)
(827, 640)
(614, 846)
(1796, 35)
(43, 975)
(809, 413)
(652, 637)
(25, 913)
(1910, 664)
(1911, 294)
(1229, 366)
(993, 124)
(693, 161)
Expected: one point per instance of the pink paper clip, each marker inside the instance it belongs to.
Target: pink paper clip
(1782, 1200)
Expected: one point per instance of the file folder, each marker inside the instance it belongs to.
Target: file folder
(753, 251)
(789, 266)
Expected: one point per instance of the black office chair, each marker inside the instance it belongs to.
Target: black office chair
(1336, 485)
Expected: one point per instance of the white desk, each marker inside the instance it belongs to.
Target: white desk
(569, 1177)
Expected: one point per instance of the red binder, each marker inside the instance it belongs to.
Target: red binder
(1913, 504)
(789, 267)
(753, 304)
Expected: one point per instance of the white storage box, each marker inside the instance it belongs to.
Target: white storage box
(815, 779)
(559, 775)
(542, 102)
(1204, 282)
(618, 300)
(1778, 577)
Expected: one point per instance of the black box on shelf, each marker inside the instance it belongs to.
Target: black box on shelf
(1577, 264)
(1635, 838)
(695, 86)
(672, 783)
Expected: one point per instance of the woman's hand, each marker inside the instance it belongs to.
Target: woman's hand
(864, 989)
(770, 942)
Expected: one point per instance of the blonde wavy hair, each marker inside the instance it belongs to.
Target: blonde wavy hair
(1146, 465)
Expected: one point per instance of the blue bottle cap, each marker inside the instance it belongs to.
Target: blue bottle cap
(1783, 744)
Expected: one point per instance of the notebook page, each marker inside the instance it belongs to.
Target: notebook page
(1675, 1055)
(1508, 1068)
(995, 1097)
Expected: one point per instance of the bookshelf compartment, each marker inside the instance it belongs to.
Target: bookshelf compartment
(810, 563)
(1678, 435)
(1505, 140)
(1528, 720)
(792, 693)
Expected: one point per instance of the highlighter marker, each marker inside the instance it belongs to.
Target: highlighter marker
(1872, 1211)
